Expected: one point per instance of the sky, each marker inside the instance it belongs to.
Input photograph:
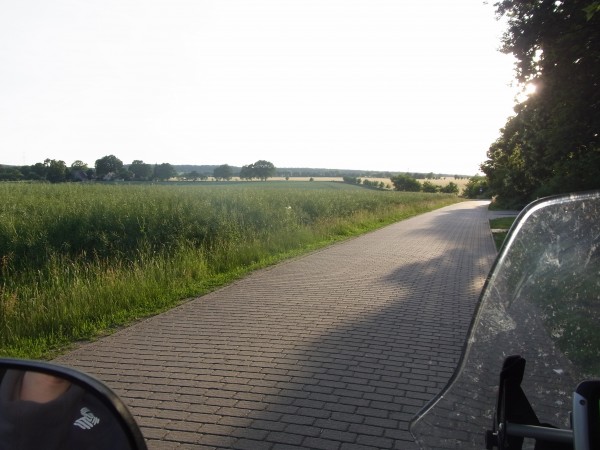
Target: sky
(390, 85)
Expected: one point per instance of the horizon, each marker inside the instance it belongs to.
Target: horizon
(307, 168)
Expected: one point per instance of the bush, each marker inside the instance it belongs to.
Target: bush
(428, 186)
(477, 187)
(406, 183)
(450, 188)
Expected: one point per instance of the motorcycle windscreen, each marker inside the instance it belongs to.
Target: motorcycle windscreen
(541, 301)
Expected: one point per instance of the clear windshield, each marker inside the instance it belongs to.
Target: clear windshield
(541, 301)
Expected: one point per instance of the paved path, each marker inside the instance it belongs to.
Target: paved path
(334, 350)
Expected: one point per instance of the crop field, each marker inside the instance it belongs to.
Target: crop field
(77, 260)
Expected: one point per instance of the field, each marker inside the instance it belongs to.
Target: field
(460, 182)
(77, 260)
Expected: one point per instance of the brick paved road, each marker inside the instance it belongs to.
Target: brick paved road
(334, 350)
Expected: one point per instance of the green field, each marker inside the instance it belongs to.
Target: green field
(77, 260)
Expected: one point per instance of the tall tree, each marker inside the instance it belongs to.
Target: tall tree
(263, 169)
(552, 143)
(403, 182)
(247, 172)
(108, 164)
(141, 171)
(57, 171)
(164, 171)
(223, 172)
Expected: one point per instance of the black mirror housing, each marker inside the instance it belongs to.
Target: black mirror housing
(110, 410)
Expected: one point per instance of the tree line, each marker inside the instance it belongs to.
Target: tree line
(407, 183)
(552, 143)
(112, 168)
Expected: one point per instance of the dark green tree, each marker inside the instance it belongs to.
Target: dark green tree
(164, 171)
(477, 187)
(10, 174)
(247, 172)
(108, 164)
(406, 183)
(428, 186)
(223, 172)
(79, 165)
(552, 143)
(78, 171)
(141, 171)
(57, 171)
(450, 188)
(263, 169)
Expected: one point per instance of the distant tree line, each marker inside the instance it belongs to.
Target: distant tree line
(260, 170)
(106, 168)
(373, 184)
(405, 182)
(340, 173)
(110, 168)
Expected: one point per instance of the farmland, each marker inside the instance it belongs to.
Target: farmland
(77, 260)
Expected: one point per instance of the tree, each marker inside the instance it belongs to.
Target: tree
(405, 183)
(477, 187)
(450, 188)
(428, 186)
(141, 171)
(263, 169)
(79, 165)
(223, 172)
(78, 171)
(10, 174)
(247, 172)
(57, 171)
(108, 164)
(164, 171)
(552, 144)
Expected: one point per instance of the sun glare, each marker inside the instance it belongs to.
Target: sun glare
(526, 92)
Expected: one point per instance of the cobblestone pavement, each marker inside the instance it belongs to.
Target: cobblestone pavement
(334, 350)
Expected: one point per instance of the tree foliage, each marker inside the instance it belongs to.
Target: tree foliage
(223, 172)
(477, 187)
(57, 171)
(164, 171)
(551, 145)
(108, 164)
(260, 169)
(428, 186)
(140, 170)
(407, 183)
(450, 188)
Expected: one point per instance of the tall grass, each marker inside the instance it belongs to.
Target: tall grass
(79, 259)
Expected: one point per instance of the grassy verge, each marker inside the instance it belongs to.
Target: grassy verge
(77, 261)
(500, 229)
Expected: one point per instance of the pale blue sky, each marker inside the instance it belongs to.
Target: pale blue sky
(359, 84)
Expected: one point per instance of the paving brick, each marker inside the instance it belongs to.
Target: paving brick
(285, 438)
(348, 342)
(321, 444)
(250, 444)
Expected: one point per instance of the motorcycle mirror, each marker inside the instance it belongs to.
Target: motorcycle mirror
(44, 405)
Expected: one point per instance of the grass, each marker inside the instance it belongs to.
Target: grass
(79, 260)
(500, 227)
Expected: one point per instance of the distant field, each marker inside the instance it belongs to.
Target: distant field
(462, 182)
(77, 259)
